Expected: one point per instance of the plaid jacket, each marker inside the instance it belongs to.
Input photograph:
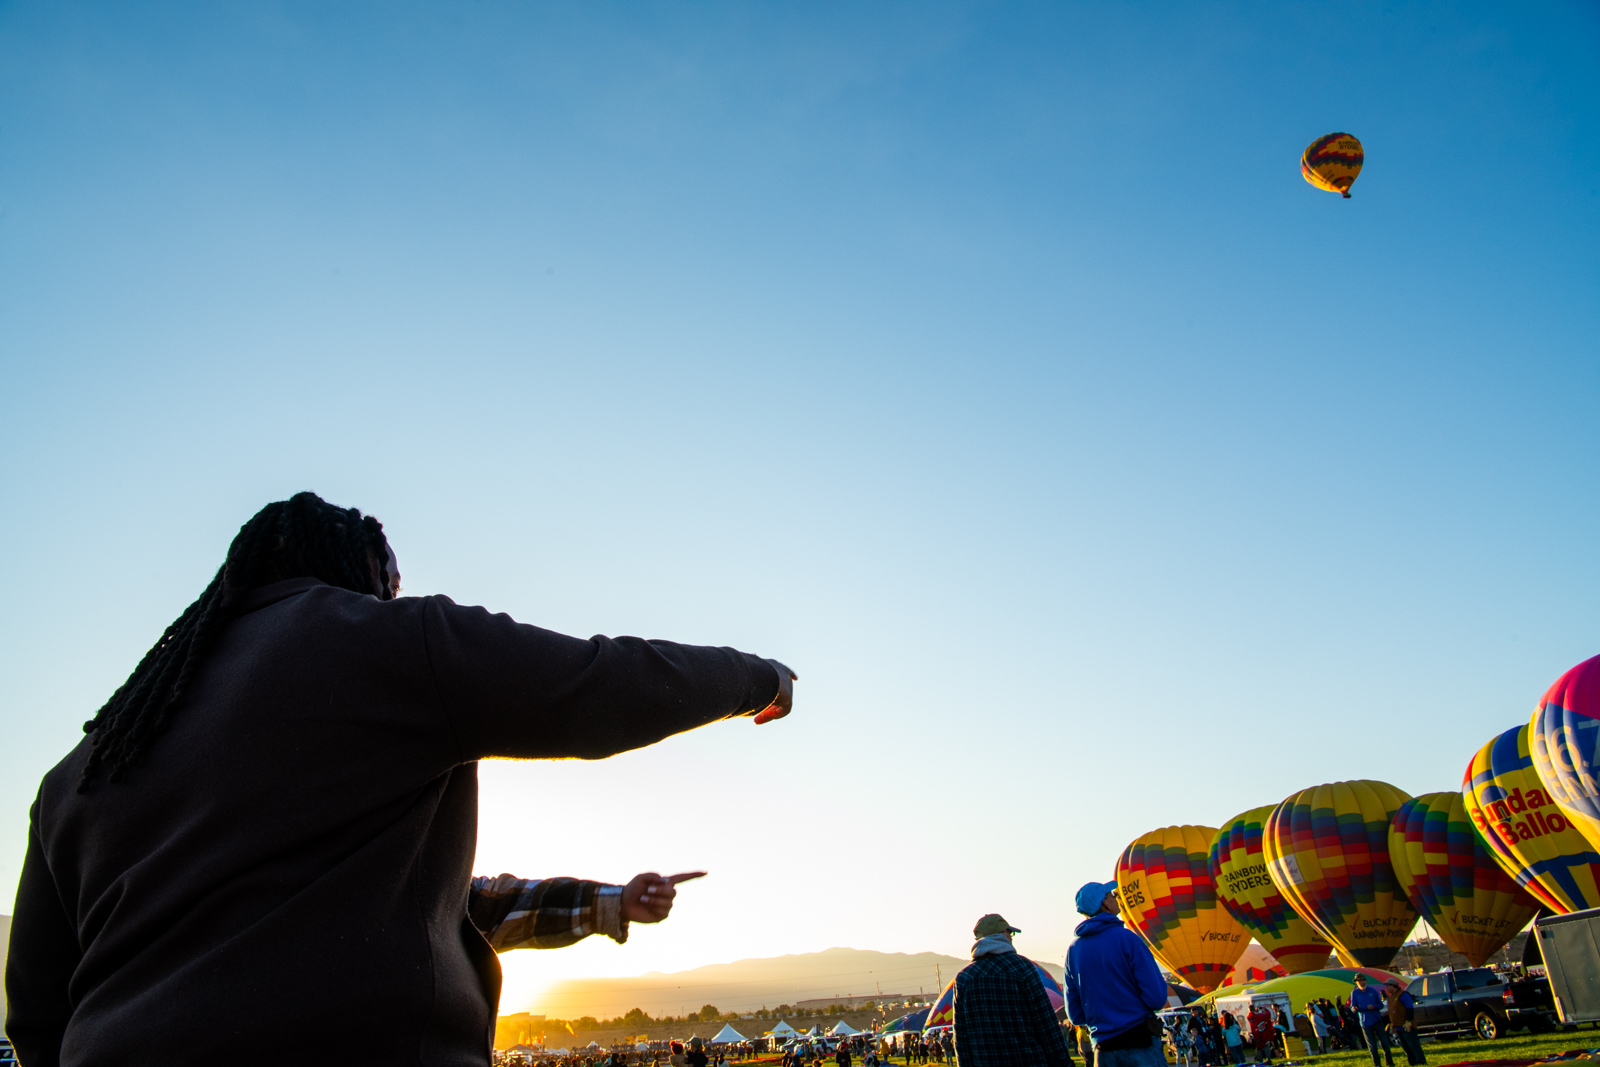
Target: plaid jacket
(1003, 1018)
(544, 912)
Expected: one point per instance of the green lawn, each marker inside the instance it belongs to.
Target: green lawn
(1518, 1046)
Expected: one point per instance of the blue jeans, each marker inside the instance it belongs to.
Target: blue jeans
(1376, 1034)
(1132, 1057)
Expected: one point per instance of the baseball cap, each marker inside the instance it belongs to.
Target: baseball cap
(993, 924)
(1091, 896)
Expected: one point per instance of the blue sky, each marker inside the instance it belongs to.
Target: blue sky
(990, 363)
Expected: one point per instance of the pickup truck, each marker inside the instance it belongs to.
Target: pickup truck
(1481, 1002)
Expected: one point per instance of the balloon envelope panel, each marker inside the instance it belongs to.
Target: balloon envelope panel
(1332, 162)
(1565, 738)
(1453, 880)
(1169, 897)
(1327, 851)
(1524, 830)
(943, 1012)
(1239, 869)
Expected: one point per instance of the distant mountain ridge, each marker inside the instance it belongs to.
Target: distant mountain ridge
(747, 985)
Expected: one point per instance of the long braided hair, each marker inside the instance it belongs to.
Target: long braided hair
(302, 537)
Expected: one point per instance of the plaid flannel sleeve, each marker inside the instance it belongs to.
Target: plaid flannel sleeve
(544, 912)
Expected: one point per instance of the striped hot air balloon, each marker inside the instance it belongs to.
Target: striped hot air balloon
(1244, 888)
(1565, 737)
(1332, 162)
(1524, 830)
(943, 1012)
(1168, 896)
(1327, 851)
(1453, 880)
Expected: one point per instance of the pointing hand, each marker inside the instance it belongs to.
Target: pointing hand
(783, 703)
(648, 898)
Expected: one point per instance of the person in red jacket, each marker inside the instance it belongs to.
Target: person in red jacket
(262, 848)
(1263, 1032)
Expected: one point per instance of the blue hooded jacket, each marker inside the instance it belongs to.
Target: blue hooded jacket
(1113, 983)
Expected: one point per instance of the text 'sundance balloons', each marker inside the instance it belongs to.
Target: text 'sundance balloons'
(1525, 831)
(1564, 735)
(1327, 851)
(1453, 880)
(1244, 888)
(1332, 162)
(1168, 896)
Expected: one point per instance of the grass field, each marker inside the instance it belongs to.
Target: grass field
(1518, 1046)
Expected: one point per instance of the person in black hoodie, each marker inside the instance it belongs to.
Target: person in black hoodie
(262, 848)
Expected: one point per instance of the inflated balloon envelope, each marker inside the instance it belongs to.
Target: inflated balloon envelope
(1169, 898)
(1453, 879)
(1327, 851)
(1524, 829)
(1332, 162)
(1564, 735)
(1239, 869)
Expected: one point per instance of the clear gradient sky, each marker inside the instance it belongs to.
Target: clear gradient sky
(990, 363)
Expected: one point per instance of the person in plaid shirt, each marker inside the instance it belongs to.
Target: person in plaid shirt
(1002, 1016)
(514, 912)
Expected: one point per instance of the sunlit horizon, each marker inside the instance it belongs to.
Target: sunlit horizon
(990, 364)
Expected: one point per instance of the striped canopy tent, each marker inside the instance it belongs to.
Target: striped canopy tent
(943, 1012)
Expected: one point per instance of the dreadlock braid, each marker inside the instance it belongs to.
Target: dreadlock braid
(302, 537)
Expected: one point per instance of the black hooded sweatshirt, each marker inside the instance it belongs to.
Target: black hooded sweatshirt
(284, 876)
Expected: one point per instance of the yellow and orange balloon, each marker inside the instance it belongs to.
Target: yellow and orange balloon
(1240, 871)
(1327, 851)
(1453, 880)
(1332, 162)
(1170, 899)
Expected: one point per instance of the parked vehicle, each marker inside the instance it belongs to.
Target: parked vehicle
(1567, 943)
(1482, 1002)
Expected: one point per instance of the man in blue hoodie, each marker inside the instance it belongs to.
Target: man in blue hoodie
(1113, 984)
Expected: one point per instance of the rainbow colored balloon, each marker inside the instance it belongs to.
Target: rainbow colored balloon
(1332, 162)
(1239, 870)
(943, 1012)
(1169, 897)
(1453, 880)
(1565, 737)
(1327, 851)
(1524, 830)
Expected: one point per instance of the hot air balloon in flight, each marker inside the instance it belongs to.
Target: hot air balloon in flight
(1240, 872)
(1453, 880)
(1332, 162)
(1327, 851)
(1564, 735)
(1524, 830)
(1168, 896)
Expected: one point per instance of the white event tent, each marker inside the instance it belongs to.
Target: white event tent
(844, 1029)
(727, 1033)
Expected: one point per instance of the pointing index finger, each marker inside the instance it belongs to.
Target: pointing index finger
(686, 876)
